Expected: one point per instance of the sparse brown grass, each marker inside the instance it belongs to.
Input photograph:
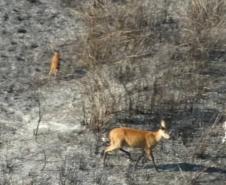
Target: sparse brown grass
(204, 28)
(120, 31)
(117, 33)
(126, 33)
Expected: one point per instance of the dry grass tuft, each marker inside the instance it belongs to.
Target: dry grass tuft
(117, 31)
(204, 28)
(120, 31)
(127, 33)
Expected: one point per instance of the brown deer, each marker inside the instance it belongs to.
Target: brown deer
(55, 63)
(134, 138)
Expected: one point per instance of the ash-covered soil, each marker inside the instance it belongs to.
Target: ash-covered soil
(64, 150)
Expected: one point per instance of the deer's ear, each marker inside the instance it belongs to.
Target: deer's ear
(163, 124)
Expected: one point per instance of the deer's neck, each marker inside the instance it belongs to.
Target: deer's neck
(158, 135)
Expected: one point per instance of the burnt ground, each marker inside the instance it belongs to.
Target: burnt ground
(63, 150)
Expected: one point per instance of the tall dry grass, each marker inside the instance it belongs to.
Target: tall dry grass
(204, 28)
(121, 31)
(125, 33)
(118, 32)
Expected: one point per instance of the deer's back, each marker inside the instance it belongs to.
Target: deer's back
(129, 137)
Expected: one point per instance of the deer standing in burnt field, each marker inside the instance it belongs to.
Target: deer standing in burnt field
(134, 138)
(55, 63)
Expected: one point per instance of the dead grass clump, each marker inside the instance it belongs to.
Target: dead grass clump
(121, 31)
(130, 32)
(118, 32)
(98, 105)
(204, 28)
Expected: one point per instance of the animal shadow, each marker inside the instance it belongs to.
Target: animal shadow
(188, 167)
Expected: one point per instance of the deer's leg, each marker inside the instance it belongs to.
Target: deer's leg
(139, 158)
(127, 153)
(111, 148)
(151, 157)
(153, 160)
(50, 71)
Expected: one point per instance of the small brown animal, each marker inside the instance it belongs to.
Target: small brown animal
(55, 63)
(134, 138)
